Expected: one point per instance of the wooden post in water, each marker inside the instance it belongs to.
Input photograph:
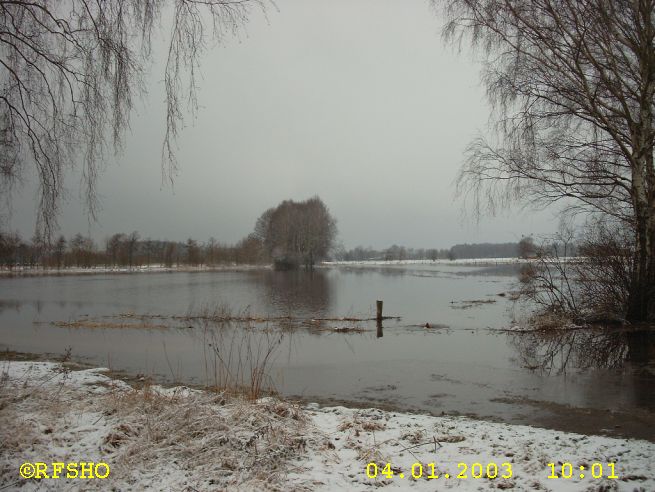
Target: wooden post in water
(379, 318)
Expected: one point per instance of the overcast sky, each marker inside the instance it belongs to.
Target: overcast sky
(357, 101)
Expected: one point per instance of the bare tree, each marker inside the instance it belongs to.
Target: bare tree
(248, 250)
(148, 248)
(9, 249)
(39, 250)
(573, 88)
(211, 251)
(170, 253)
(319, 230)
(113, 248)
(131, 246)
(69, 75)
(59, 250)
(193, 252)
(83, 250)
(526, 247)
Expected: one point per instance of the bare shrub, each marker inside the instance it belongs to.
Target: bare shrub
(591, 288)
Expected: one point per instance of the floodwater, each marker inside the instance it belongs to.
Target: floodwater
(588, 381)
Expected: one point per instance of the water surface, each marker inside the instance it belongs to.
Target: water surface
(586, 381)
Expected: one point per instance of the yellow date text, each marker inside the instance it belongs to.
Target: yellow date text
(429, 471)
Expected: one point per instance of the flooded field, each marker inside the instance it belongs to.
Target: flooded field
(289, 323)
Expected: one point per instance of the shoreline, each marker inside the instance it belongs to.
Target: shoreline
(72, 271)
(39, 271)
(177, 438)
(547, 415)
(22, 272)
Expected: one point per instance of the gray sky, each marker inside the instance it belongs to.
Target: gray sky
(357, 101)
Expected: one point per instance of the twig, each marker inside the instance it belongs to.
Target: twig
(10, 485)
(434, 441)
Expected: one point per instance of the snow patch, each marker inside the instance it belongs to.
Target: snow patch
(185, 439)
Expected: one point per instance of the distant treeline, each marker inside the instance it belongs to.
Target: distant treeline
(393, 253)
(485, 250)
(130, 250)
(459, 251)
(124, 250)
(524, 248)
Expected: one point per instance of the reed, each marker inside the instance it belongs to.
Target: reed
(238, 358)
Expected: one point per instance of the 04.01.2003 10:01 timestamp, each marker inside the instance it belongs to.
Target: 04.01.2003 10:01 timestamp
(429, 471)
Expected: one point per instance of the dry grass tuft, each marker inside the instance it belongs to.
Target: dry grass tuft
(414, 437)
(235, 442)
(358, 423)
(371, 454)
(451, 439)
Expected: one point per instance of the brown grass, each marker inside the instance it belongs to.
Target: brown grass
(359, 423)
(205, 439)
(108, 324)
(246, 441)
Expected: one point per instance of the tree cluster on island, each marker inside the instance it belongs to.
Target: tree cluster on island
(296, 234)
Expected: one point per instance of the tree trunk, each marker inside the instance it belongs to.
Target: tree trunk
(641, 306)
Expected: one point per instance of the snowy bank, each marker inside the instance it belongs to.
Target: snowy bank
(184, 439)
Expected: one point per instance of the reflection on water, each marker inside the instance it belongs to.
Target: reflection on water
(437, 270)
(561, 350)
(10, 305)
(299, 292)
(641, 347)
(435, 359)
(625, 356)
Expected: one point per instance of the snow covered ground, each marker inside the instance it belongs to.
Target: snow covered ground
(183, 439)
